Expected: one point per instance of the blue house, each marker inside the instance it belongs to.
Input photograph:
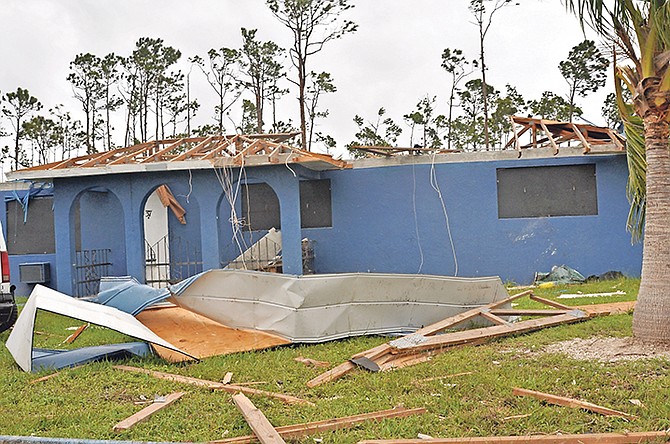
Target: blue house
(465, 214)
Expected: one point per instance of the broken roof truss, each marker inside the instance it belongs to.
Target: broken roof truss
(217, 151)
(552, 133)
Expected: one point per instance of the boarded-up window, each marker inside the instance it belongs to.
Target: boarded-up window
(36, 235)
(260, 207)
(315, 206)
(547, 191)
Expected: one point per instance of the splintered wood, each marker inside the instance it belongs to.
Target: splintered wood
(574, 403)
(262, 428)
(298, 430)
(147, 411)
(427, 341)
(213, 385)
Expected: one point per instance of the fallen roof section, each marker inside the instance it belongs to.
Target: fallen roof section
(20, 341)
(324, 307)
(186, 153)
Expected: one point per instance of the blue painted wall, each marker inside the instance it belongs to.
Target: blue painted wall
(385, 219)
(391, 220)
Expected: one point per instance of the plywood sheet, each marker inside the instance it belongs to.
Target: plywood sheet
(201, 337)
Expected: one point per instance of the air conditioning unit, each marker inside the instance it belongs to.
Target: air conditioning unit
(34, 273)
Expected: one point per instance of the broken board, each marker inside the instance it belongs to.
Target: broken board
(200, 336)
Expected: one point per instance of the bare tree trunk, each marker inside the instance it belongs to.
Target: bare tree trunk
(301, 99)
(17, 148)
(652, 312)
(259, 113)
(484, 89)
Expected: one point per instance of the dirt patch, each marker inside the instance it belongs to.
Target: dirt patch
(609, 349)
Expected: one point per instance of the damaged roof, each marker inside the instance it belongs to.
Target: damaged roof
(187, 153)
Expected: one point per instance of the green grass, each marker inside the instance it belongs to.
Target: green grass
(86, 402)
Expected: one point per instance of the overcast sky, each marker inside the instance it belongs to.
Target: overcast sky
(393, 60)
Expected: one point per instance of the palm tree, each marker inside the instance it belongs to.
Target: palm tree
(640, 31)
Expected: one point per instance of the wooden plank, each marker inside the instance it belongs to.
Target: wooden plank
(195, 149)
(585, 144)
(73, 337)
(487, 333)
(264, 431)
(549, 136)
(309, 428)
(551, 303)
(131, 152)
(227, 378)
(493, 318)
(160, 152)
(607, 309)
(528, 312)
(380, 350)
(588, 438)
(570, 402)
(213, 385)
(146, 412)
(200, 336)
(309, 362)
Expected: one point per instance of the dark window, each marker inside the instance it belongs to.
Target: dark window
(260, 207)
(547, 191)
(36, 235)
(315, 208)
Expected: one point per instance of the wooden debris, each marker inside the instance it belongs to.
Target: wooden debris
(436, 378)
(147, 411)
(312, 362)
(588, 438)
(213, 385)
(525, 415)
(201, 337)
(608, 309)
(573, 403)
(309, 428)
(419, 346)
(262, 428)
(44, 378)
(227, 378)
(73, 337)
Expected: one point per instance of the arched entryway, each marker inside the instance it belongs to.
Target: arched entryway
(97, 224)
(171, 224)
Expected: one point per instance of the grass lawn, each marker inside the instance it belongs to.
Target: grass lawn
(86, 402)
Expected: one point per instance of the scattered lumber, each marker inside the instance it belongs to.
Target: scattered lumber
(227, 378)
(437, 378)
(309, 362)
(309, 428)
(44, 378)
(262, 428)
(420, 345)
(588, 438)
(570, 402)
(73, 337)
(147, 411)
(213, 385)
(608, 309)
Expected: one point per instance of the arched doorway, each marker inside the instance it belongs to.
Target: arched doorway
(97, 223)
(172, 250)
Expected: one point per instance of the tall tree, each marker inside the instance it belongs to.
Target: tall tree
(458, 67)
(430, 124)
(45, 136)
(85, 77)
(147, 71)
(222, 75)
(553, 107)
(261, 69)
(16, 106)
(584, 70)
(511, 104)
(320, 84)
(381, 132)
(109, 77)
(70, 131)
(641, 31)
(313, 23)
(472, 123)
(483, 19)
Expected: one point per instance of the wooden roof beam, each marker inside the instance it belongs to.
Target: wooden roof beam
(186, 154)
(159, 153)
